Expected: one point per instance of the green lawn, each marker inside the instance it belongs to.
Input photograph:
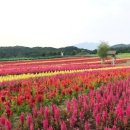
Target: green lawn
(123, 55)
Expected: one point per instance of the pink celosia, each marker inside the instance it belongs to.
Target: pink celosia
(45, 124)
(46, 112)
(57, 114)
(114, 128)
(119, 112)
(29, 119)
(104, 115)
(41, 110)
(63, 126)
(31, 127)
(86, 126)
(128, 111)
(8, 125)
(97, 118)
(50, 128)
(81, 114)
(73, 120)
(85, 106)
(35, 113)
(68, 105)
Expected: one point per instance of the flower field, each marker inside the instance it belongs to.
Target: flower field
(76, 93)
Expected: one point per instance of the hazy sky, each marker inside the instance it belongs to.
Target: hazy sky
(60, 23)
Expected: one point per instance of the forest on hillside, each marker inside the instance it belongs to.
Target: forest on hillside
(20, 51)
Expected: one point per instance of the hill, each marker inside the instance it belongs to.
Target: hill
(121, 48)
(21, 51)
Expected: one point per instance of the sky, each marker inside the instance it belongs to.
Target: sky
(60, 23)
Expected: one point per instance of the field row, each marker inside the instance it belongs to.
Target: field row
(13, 69)
(46, 74)
(52, 68)
(93, 60)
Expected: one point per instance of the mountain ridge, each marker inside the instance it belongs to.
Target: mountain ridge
(120, 46)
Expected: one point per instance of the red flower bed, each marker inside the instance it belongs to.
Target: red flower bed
(107, 108)
(23, 69)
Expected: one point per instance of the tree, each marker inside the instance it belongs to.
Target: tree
(102, 51)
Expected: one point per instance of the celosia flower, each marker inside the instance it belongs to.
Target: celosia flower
(114, 128)
(45, 124)
(35, 113)
(29, 119)
(56, 114)
(119, 112)
(72, 120)
(8, 111)
(68, 105)
(22, 118)
(2, 120)
(86, 126)
(81, 114)
(63, 126)
(8, 125)
(3, 98)
(41, 110)
(104, 115)
(39, 98)
(97, 118)
(31, 127)
(46, 112)
(85, 106)
(50, 128)
(128, 111)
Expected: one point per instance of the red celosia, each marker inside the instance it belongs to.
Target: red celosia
(2, 120)
(8, 111)
(97, 119)
(22, 118)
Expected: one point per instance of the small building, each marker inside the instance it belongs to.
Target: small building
(113, 54)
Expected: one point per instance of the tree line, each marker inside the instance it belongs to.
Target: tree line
(20, 51)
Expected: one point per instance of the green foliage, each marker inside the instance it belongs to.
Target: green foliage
(103, 49)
